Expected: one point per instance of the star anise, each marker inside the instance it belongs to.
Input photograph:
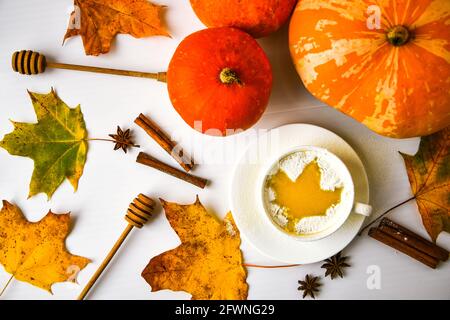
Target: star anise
(309, 286)
(123, 139)
(334, 266)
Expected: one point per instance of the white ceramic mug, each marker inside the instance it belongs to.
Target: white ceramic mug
(347, 205)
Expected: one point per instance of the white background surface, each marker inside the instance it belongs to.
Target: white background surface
(112, 179)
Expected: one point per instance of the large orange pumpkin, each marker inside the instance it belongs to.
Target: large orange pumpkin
(388, 66)
(257, 17)
(219, 81)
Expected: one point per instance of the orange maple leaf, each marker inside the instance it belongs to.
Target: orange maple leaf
(99, 21)
(207, 264)
(429, 176)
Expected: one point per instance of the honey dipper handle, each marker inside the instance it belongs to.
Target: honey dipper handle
(160, 76)
(105, 262)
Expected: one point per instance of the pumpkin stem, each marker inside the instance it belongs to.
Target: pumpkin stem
(229, 76)
(398, 36)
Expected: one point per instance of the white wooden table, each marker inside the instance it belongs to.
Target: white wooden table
(112, 179)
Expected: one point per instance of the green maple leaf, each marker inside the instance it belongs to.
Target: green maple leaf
(57, 143)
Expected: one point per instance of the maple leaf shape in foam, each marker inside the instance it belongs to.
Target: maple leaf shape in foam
(99, 21)
(429, 176)
(207, 264)
(309, 200)
(57, 143)
(35, 252)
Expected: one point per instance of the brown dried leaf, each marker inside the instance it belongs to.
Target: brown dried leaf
(429, 176)
(99, 21)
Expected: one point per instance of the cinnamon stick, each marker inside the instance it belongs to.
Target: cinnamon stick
(412, 239)
(403, 247)
(148, 160)
(155, 132)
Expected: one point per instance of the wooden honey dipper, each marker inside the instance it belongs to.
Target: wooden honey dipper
(29, 62)
(138, 213)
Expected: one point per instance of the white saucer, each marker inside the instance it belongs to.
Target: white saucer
(244, 195)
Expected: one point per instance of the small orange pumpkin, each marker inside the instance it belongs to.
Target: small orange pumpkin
(219, 81)
(257, 17)
(386, 65)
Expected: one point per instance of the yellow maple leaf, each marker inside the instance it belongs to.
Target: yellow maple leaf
(36, 252)
(208, 264)
(99, 21)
